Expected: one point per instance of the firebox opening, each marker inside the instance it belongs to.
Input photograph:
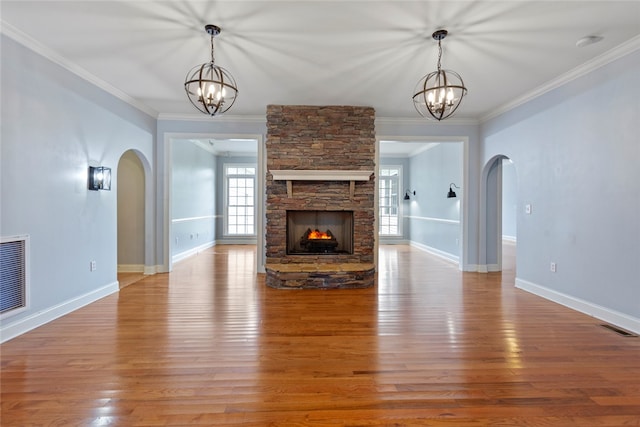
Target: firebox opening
(319, 232)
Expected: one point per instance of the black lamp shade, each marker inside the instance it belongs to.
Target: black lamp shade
(451, 194)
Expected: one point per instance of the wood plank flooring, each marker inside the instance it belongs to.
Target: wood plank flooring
(210, 344)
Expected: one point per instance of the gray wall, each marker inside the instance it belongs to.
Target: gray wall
(577, 153)
(170, 129)
(509, 200)
(453, 130)
(54, 125)
(435, 219)
(193, 198)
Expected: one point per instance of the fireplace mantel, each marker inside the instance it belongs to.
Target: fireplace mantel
(321, 175)
(291, 175)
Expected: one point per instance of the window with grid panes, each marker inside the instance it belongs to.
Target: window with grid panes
(389, 201)
(240, 185)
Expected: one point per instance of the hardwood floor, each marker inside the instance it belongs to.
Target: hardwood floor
(210, 344)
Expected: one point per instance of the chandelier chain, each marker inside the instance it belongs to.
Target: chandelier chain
(212, 61)
(439, 54)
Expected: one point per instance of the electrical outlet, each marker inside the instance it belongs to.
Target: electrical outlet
(92, 266)
(527, 209)
(552, 267)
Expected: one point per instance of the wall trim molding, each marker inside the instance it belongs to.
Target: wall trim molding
(131, 268)
(393, 241)
(605, 314)
(191, 252)
(237, 241)
(153, 269)
(10, 330)
(49, 54)
(225, 118)
(607, 57)
(437, 252)
(427, 218)
(194, 218)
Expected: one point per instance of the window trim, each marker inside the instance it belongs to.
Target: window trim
(225, 179)
(400, 232)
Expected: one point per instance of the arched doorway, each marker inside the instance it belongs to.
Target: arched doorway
(131, 218)
(499, 212)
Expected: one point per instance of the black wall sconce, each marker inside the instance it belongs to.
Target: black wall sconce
(407, 194)
(452, 194)
(99, 178)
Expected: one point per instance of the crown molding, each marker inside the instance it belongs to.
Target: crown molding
(617, 52)
(205, 118)
(423, 121)
(46, 52)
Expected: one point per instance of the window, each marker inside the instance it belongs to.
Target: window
(240, 184)
(389, 202)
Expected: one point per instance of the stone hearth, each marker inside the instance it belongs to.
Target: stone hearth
(320, 159)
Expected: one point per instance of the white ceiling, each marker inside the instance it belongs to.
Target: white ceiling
(369, 53)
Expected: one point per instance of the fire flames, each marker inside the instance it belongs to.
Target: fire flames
(319, 235)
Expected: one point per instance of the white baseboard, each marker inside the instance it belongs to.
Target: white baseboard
(511, 239)
(139, 268)
(614, 317)
(392, 241)
(19, 327)
(236, 241)
(191, 252)
(130, 268)
(153, 269)
(437, 252)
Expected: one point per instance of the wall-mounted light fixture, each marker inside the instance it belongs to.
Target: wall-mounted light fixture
(407, 194)
(452, 194)
(99, 178)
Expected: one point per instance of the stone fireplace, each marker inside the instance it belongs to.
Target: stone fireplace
(320, 163)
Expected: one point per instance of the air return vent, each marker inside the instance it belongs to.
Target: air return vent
(13, 274)
(619, 331)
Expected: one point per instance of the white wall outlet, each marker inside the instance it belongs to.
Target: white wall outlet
(92, 266)
(552, 267)
(527, 208)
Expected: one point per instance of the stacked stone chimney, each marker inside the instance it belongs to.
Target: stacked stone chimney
(320, 138)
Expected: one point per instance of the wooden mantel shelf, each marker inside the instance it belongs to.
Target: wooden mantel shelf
(321, 175)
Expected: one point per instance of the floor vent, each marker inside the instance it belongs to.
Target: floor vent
(619, 331)
(13, 274)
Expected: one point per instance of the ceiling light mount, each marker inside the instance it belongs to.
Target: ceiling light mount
(212, 30)
(439, 94)
(440, 34)
(210, 88)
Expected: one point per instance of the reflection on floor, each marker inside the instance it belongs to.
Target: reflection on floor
(126, 279)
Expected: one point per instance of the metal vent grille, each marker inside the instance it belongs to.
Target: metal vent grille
(619, 331)
(13, 274)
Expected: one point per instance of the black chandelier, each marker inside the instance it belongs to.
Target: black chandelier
(211, 89)
(439, 93)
